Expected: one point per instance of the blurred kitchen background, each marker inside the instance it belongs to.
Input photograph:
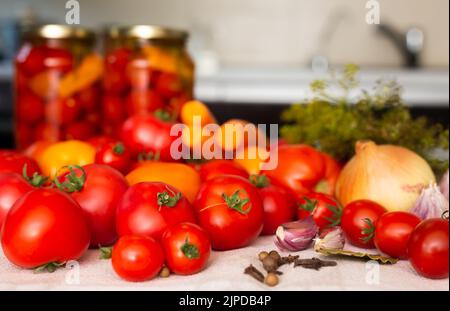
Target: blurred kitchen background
(266, 52)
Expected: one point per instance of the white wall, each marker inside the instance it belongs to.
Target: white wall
(280, 32)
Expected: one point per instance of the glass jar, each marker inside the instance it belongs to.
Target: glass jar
(147, 68)
(57, 84)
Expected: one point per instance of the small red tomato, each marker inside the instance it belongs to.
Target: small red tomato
(139, 73)
(113, 108)
(149, 208)
(82, 130)
(98, 189)
(359, 220)
(428, 248)
(137, 259)
(45, 227)
(58, 59)
(325, 210)
(148, 134)
(12, 187)
(11, 161)
(140, 102)
(216, 168)
(115, 155)
(62, 111)
(115, 79)
(279, 204)
(89, 98)
(30, 108)
(31, 59)
(99, 141)
(187, 248)
(169, 85)
(393, 231)
(230, 209)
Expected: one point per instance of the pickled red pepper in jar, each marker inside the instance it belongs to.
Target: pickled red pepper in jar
(58, 85)
(147, 68)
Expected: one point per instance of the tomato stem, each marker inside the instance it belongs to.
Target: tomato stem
(236, 202)
(168, 199)
(105, 252)
(309, 204)
(163, 115)
(36, 180)
(119, 149)
(74, 183)
(260, 181)
(190, 250)
(368, 232)
(49, 267)
(149, 156)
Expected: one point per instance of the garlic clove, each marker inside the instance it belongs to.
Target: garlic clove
(332, 238)
(296, 236)
(444, 185)
(431, 203)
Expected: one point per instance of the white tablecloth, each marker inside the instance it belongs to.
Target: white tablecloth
(225, 272)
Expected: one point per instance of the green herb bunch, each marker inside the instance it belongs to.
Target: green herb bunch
(334, 124)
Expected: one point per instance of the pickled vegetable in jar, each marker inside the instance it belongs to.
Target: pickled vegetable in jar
(147, 68)
(58, 85)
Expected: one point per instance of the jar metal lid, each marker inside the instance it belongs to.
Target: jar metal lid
(148, 32)
(54, 31)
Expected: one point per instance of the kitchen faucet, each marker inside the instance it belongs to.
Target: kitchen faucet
(410, 44)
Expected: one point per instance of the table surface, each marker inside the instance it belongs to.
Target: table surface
(225, 272)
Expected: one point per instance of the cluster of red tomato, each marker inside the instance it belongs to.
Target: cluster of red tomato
(49, 105)
(134, 86)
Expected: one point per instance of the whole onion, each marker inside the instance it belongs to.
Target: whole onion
(390, 175)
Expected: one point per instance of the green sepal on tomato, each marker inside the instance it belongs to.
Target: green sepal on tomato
(324, 209)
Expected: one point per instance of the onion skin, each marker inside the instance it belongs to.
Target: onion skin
(391, 176)
(444, 185)
(297, 235)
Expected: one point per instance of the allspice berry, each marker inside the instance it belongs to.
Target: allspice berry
(275, 255)
(272, 280)
(263, 255)
(270, 264)
(165, 272)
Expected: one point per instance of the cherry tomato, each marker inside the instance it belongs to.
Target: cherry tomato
(115, 155)
(279, 204)
(35, 150)
(230, 209)
(169, 85)
(147, 209)
(113, 108)
(145, 134)
(359, 220)
(187, 248)
(31, 59)
(216, 168)
(58, 59)
(142, 102)
(82, 130)
(325, 209)
(139, 73)
(89, 98)
(30, 108)
(393, 231)
(62, 111)
(44, 227)
(12, 187)
(98, 189)
(115, 80)
(303, 169)
(428, 248)
(137, 259)
(98, 141)
(11, 161)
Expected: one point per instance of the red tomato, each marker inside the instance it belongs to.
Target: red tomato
(393, 231)
(169, 85)
(89, 98)
(428, 248)
(113, 108)
(137, 259)
(279, 204)
(216, 168)
(143, 102)
(82, 130)
(99, 141)
(31, 59)
(12, 187)
(30, 108)
(46, 226)
(325, 210)
(115, 80)
(58, 59)
(98, 189)
(303, 169)
(359, 221)
(115, 155)
(148, 208)
(62, 111)
(11, 161)
(187, 248)
(48, 132)
(139, 73)
(148, 134)
(230, 209)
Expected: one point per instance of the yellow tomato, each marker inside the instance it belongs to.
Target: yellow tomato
(71, 152)
(251, 159)
(181, 176)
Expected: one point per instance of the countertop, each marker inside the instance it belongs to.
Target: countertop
(225, 272)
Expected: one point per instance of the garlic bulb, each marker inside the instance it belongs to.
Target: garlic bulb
(296, 236)
(444, 185)
(390, 175)
(330, 239)
(431, 203)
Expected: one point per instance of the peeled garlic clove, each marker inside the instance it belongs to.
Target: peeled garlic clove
(331, 239)
(296, 236)
(444, 185)
(431, 203)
